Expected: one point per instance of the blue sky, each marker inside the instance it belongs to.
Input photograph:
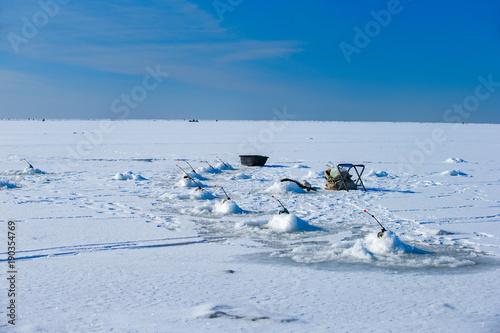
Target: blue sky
(240, 59)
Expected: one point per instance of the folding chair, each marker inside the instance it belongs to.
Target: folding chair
(350, 166)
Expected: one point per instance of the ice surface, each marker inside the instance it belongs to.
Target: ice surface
(96, 254)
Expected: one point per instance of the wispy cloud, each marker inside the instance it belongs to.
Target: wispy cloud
(125, 36)
(256, 50)
(15, 81)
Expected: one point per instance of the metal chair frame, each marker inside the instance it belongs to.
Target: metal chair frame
(350, 166)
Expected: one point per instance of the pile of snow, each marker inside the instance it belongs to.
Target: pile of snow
(300, 166)
(196, 176)
(389, 243)
(374, 173)
(128, 176)
(32, 171)
(289, 223)
(207, 169)
(7, 184)
(227, 166)
(314, 174)
(284, 187)
(453, 173)
(240, 176)
(455, 160)
(227, 207)
(193, 194)
(187, 182)
(388, 248)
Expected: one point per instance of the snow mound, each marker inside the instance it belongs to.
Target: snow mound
(314, 174)
(300, 166)
(240, 176)
(453, 173)
(227, 207)
(32, 171)
(289, 223)
(284, 187)
(200, 195)
(374, 173)
(221, 166)
(186, 182)
(389, 243)
(128, 176)
(455, 160)
(193, 194)
(7, 184)
(196, 176)
(386, 251)
(207, 169)
(374, 248)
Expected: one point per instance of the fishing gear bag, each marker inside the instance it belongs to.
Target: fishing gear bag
(337, 181)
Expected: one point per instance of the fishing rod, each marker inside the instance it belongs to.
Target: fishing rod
(227, 196)
(29, 164)
(208, 164)
(222, 161)
(381, 233)
(284, 211)
(189, 177)
(192, 169)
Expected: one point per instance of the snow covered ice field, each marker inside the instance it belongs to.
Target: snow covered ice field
(111, 237)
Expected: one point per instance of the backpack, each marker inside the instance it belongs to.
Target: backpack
(334, 180)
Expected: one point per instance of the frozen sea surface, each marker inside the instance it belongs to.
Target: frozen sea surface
(111, 235)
